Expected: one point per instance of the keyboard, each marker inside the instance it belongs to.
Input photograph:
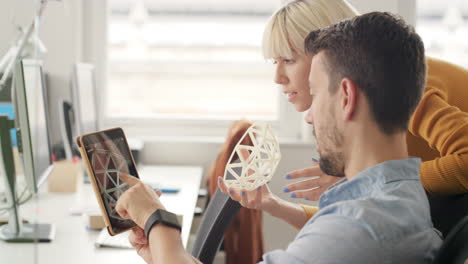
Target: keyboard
(118, 241)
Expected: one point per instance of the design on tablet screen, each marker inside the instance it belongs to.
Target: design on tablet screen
(107, 168)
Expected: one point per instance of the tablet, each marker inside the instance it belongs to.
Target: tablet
(106, 155)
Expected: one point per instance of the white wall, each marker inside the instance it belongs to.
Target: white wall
(18, 11)
(405, 8)
(94, 43)
(60, 30)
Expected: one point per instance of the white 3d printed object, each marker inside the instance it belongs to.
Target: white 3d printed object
(251, 166)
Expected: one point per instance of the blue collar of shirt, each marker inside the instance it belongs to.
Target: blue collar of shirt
(370, 180)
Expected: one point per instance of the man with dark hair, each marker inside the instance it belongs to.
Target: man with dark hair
(383, 58)
(366, 78)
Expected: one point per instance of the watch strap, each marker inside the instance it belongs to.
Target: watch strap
(164, 217)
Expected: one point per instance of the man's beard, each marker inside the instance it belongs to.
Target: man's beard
(331, 158)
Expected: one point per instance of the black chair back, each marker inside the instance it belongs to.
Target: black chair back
(447, 211)
(216, 219)
(454, 250)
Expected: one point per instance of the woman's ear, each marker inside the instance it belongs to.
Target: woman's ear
(349, 98)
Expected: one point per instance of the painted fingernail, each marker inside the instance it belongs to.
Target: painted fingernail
(219, 180)
(315, 160)
(306, 198)
(243, 193)
(288, 176)
(285, 190)
(259, 187)
(293, 195)
(231, 191)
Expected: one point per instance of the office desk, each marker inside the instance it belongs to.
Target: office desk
(73, 243)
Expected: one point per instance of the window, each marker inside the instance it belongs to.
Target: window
(191, 62)
(443, 26)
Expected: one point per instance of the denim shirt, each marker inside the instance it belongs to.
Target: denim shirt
(380, 216)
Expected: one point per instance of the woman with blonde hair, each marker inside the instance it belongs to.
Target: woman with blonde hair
(438, 130)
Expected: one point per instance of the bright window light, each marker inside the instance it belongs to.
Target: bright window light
(189, 59)
(443, 26)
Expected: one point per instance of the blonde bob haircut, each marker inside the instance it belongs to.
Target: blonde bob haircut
(289, 26)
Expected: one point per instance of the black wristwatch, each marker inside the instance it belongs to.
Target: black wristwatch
(164, 217)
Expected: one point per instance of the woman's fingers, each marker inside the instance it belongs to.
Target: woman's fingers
(250, 199)
(303, 185)
(258, 197)
(222, 186)
(265, 189)
(235, 195)
(303, 173)
(244, 199)
(313, 194)
(311, 188)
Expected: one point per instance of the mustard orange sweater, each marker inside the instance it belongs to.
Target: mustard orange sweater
(438, 131)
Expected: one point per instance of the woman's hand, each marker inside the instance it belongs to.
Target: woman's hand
(309, 189)
(261, 198)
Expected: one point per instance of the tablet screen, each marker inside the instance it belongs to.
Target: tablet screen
(109, 156)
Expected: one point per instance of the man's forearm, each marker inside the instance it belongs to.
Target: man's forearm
(292, 213)
(166, 246)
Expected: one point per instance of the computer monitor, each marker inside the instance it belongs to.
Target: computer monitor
(68, 128)
(84, 98)
(33, 146)
(32, 123)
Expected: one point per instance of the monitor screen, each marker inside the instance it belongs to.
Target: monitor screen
(84, 98)
(6, 108)
(67, 128)
(32, 120)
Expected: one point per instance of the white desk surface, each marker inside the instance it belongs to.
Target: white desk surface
(73, 243)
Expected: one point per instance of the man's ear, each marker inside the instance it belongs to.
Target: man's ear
(349, 98)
